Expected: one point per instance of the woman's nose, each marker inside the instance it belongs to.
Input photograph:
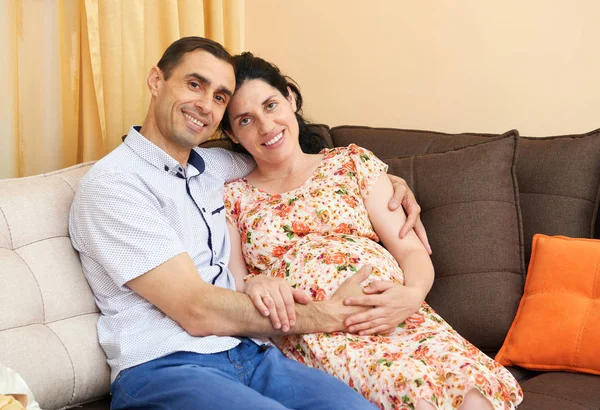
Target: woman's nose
(265, 125)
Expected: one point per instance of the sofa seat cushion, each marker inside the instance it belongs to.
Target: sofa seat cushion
(520, 373)
(561, 391)
(103, 404)
(469, 202)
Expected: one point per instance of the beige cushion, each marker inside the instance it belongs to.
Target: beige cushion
(47, 311)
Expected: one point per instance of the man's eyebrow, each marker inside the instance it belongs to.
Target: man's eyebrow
(263, 103)
(206, 81)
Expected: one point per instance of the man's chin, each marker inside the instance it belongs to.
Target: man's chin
(191, 140)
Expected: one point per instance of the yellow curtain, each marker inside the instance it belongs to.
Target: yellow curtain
(74, 71)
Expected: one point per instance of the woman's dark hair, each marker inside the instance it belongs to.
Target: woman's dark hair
(175, 52)
(249, 67)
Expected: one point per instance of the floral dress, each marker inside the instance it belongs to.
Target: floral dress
(318, 235)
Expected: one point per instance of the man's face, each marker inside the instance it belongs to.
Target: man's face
(190, 104)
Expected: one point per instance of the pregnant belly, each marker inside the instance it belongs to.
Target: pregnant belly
(318, 265)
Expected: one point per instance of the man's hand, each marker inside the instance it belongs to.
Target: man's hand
(391, 304)
(335, 310)
(405, 197)
(274, 297)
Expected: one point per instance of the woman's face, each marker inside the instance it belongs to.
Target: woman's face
(264, 121)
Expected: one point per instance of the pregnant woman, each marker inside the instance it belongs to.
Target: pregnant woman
(312, 219)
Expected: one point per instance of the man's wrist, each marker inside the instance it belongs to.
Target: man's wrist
(318, 318)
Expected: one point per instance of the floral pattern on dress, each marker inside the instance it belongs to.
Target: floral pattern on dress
(315, 237)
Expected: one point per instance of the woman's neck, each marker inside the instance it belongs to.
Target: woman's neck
(286, 175)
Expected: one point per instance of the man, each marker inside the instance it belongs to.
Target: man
(149, 224)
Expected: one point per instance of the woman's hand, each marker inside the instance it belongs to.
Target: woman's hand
(391, 304)
(405, 197)
(275, 298)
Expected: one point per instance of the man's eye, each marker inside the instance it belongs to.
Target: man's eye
(194, 85)
(219, 98)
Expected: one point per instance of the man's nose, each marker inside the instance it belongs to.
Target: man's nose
(204, 103)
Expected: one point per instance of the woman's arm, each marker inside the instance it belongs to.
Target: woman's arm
(272, 297)
(237, 265)
(394, 302)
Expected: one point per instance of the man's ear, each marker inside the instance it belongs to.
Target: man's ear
(232, 137)
(154, 80)
(292, 99)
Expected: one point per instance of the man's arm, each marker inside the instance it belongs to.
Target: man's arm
(404, 196)
(202, 309)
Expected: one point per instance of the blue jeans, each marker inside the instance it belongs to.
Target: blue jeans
(246, 377)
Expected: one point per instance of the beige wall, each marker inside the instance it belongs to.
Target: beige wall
(454, 66)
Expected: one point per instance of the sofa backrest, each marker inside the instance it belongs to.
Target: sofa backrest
(558, 176)
(47, 311)
(559, 191)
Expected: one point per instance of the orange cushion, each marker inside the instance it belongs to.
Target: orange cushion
(557, 326)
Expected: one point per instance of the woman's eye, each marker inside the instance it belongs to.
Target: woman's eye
(245, 121)
(271, 106)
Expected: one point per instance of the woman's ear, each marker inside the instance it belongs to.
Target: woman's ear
(154, 80)
(292, 99)
(232, 137)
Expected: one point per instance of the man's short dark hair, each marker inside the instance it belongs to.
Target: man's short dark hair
(175, 52)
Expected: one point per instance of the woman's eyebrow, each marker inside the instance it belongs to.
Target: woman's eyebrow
(263, 103)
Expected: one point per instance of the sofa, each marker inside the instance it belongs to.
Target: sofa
(483, 197)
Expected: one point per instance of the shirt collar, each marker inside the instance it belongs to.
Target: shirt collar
(160, 159)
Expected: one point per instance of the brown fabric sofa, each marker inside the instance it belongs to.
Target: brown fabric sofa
(483, 196)
(465, 185)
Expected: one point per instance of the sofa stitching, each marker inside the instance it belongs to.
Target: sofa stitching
(37, 283)
(43, 239)
(559, 398)
(9, 231)
(69, 185)
(72, 365)
(428, 147)
(439, 276)
(558, 195)
(55, 321)
(466, 202)
(517, 199)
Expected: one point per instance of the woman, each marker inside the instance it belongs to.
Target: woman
(313, 219)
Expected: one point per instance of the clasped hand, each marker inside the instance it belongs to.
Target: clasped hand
(391, 303)
(275, 298)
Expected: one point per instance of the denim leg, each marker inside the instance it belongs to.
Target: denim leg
(187, 381)
(301, 387)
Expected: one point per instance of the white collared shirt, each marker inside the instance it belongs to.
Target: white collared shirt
(134, 210)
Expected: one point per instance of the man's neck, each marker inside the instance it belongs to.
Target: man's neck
(151, 132)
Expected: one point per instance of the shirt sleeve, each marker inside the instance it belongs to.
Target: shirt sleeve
(368, 168)
(119, 224)
(242, 166)
(232, 198)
